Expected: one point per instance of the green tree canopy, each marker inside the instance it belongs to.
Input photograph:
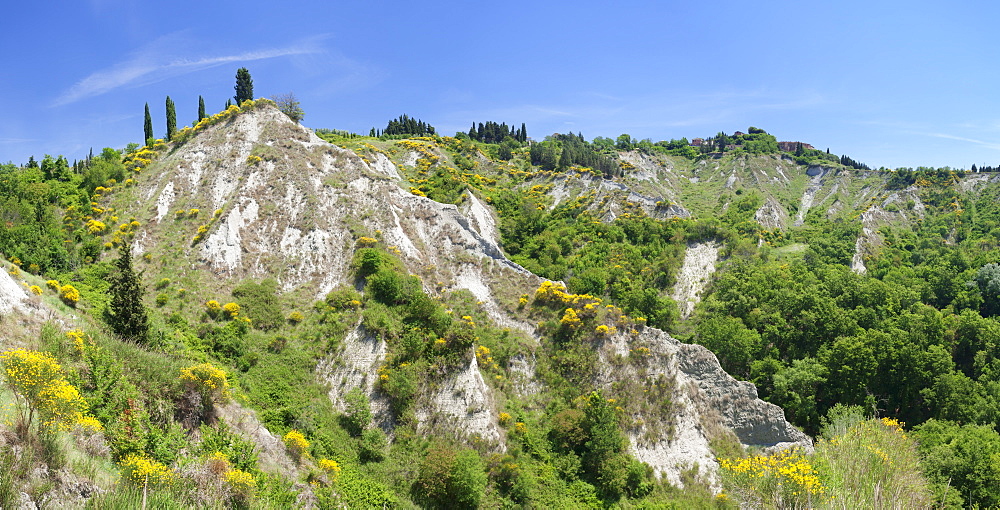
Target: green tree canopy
(244, 86)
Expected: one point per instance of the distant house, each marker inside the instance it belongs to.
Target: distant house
(697, 142)
(739, 133)
(791, 146)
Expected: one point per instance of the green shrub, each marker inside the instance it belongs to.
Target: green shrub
(343, 298)
(259, 301)
(451, 479)
(358, 413)
(373, 445)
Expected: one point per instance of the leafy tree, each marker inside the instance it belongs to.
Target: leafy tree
(147, 127)
(289, 105)
(624, 142)
(988, 280)
(450, 479)
(734, 344)
(244, 86)
(171, 118)
(201, 108)
(126, 314)
(964, 460)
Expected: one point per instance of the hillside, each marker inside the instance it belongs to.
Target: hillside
(421, 322)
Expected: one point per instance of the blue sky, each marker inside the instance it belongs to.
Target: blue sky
(888, 83)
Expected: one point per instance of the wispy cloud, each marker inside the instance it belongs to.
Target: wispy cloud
(153, 63)
(990, 145)
(4, 141)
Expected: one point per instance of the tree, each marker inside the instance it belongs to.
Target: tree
(201, 108)
(147, 127)
(289, 105)
(988, 280)
(244, 86)
(171, 118)
(126, 315)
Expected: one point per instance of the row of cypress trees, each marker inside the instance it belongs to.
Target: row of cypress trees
(244, 92)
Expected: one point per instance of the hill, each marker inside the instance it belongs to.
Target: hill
(396, 328)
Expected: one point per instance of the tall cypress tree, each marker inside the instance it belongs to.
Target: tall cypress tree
(147, 126)
(201, 108)
(244, 86)
(126, 314)
(171, 118)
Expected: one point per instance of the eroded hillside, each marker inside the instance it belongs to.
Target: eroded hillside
(407, 321)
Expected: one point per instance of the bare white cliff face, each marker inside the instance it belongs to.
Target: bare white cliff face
(694, 275)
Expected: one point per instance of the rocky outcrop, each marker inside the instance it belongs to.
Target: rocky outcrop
(705, 404)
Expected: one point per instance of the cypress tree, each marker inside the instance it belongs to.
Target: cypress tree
(147, 127)
(201, 108)
(126, 314)
(229, 102)
(473, 134)
(244, 86)
(171, 119)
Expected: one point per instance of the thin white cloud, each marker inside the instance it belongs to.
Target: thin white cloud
(990, 145)
(148, 65)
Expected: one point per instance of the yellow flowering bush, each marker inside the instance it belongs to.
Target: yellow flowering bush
(366, 242)
(76, 337)
(36, 290)
(231, 310)
(570, 319)
(69, 295)
(213, 307)
(253, 159)
(96, 227)
(330, 467)
(207, 379)
(141, 471)
(39, 380)
(295, 317)
(296, 443)
(785, 479)
(242, 483)
(202, 230)
(53, 284)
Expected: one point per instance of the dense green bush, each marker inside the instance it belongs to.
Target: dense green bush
(260, 302)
